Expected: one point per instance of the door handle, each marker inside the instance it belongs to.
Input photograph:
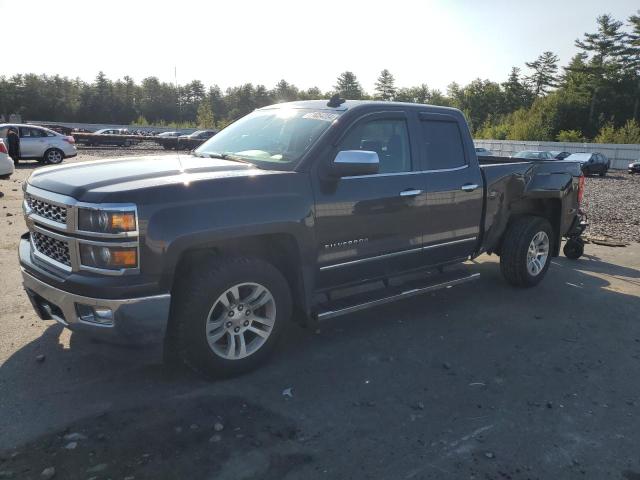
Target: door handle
(410, 193)
(468, 187)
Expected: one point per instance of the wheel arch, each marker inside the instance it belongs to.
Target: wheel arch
(282, 250)
(548, 208)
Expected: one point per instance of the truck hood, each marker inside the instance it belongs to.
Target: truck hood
(131, 173)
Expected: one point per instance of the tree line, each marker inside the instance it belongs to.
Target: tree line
(596, 96)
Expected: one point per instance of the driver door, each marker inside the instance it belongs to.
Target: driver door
(371, 225)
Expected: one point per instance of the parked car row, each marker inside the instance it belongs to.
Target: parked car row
(184, 142)
(39, 143)
(592, 163)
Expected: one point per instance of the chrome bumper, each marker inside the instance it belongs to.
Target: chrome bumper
(130, 320)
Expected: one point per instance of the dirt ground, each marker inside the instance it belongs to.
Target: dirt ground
(481, 381)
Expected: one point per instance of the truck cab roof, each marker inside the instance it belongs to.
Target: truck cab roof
(357, 104)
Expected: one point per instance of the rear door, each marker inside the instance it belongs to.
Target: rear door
(371, 226)
(454, 189)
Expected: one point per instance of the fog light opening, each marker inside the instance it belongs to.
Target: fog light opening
(97, 315)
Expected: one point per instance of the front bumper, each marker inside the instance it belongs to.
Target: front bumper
(130, 320)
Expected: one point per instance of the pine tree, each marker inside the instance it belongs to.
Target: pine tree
(385, 86)
(285, 92)
(205, 118)
(631, 57)
(516, 92)
(545, 68)
(348, 87)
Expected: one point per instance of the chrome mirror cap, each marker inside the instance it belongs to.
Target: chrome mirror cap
(355, 162)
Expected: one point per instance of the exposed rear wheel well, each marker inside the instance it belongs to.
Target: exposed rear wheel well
(548, 208)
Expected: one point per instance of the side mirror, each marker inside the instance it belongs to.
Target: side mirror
(353, 163)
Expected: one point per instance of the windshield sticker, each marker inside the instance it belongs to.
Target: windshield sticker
(325, 116)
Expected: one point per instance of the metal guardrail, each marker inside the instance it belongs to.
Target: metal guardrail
(619, 154)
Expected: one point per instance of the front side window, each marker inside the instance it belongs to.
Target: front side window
(389, 138)
(443, 144)
(272, 138)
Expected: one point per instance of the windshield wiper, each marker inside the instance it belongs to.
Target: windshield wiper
(227, 156)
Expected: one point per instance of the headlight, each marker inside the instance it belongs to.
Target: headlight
(106, 221)
(109, 258)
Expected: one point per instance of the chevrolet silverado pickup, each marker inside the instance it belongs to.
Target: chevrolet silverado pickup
(304, 210)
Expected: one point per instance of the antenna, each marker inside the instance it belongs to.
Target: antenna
(335, 101)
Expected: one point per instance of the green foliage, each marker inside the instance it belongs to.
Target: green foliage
(544, 69)
(385, 86)
(597, 94)
(629, 133)
(205, 118)
(570, 136)
(493, 131)
(348, 87)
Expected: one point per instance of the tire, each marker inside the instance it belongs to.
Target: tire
(516, 263)
(127, 143)
(53, 156)
(198, 299)
(573, 249)
(603, 173)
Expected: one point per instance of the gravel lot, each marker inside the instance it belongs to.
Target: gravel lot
(481, 381)
(613, 206)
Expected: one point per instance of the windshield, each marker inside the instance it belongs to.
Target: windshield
(276, 137)
(580, 157)
(533, 155)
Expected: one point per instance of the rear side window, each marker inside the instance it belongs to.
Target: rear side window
(443, 145)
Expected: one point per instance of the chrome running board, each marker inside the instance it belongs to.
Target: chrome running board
(369, 300)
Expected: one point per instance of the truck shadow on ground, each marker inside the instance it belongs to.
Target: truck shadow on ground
(475, 380)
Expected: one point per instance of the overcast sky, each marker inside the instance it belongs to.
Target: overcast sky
(230, 42)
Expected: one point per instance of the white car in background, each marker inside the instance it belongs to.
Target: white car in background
(39, 143)
(6, 163)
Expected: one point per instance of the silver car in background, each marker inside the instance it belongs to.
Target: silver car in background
(6, 163)
(39, 143)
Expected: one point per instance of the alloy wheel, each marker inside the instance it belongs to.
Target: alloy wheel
(538, 253)
(240, 321)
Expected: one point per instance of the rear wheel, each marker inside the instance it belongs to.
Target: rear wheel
(526, 251)
(53, 156)
(229, 315)
(573, 249)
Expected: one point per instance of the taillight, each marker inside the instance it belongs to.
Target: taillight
(580, 189)
(3, 148)
(70, 139)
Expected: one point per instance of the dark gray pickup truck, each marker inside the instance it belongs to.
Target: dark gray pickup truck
(305, 210)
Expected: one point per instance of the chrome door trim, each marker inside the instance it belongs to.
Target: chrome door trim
(413, 172)
(394, 254)
(452, 242)
(411, 193)
(370, 259)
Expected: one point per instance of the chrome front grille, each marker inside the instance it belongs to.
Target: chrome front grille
(53, 248)
(47, 210)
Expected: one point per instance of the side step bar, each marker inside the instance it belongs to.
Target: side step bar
(359, 303)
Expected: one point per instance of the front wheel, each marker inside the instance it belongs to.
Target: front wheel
(229, 315)
(526, 251)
